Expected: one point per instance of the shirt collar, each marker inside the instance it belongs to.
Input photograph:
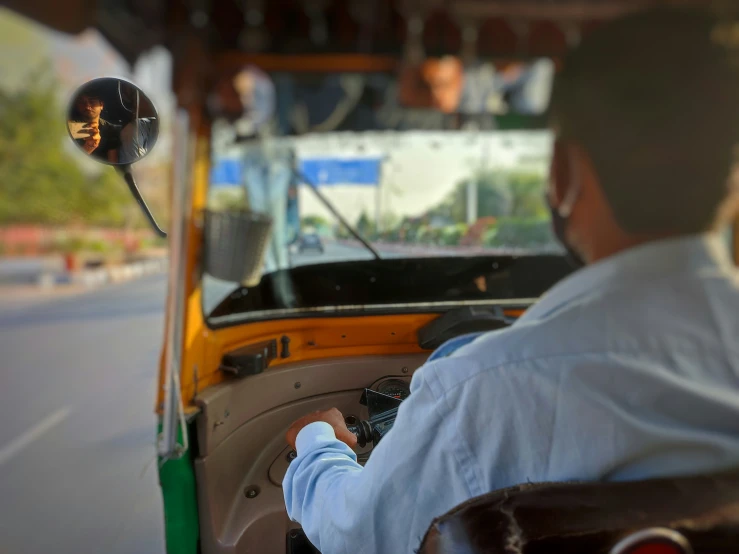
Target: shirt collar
(686, 254)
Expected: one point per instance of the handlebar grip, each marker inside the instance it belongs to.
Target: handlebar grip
(363, 432)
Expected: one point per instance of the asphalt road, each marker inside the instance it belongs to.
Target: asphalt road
(27, 270)
(77, 440)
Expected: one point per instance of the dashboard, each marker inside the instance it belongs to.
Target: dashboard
(242, 456)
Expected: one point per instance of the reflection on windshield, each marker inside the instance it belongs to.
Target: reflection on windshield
(410, 193)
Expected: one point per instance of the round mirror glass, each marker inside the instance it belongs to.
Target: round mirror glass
(113, 121)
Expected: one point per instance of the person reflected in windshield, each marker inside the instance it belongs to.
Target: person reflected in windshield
(452, 87)
(628, 368)
(247, 99)
(445, 78)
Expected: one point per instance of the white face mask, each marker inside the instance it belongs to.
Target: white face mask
(561, 213)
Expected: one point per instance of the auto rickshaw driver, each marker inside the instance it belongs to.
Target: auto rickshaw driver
(625, 370)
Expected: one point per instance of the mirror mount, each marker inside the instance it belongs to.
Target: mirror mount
(125, 171)
(115, 123)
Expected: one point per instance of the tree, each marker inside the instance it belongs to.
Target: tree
(40, 182)
(527, 193)
(499, 194)
(389, 220)
(365, 226)
(315, 221)
(494, 195)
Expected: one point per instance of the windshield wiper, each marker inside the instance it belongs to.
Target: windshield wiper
(330, 207)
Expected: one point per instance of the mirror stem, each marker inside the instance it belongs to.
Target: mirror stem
(125, 171)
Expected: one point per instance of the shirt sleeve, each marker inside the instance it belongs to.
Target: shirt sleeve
(419, 471)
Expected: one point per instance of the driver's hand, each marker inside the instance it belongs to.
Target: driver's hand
(93, 141)
(333, 417)
(92, 129)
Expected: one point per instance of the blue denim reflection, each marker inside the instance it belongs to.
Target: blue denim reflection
(267, 175)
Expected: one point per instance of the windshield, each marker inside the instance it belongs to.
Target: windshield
(449, 192)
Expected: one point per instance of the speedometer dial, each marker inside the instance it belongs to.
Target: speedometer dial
(394, 387)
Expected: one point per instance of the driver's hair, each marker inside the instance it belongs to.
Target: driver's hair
(654, 101)
(93, 90)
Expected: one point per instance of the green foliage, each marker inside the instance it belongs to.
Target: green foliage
(499, 194)
(69, 245)
(452, 234)
(519, 232)
(40, 181)
(315, 221)
(527, 195)
(410, 229)
(342, 232)
(153, 242)
(511, 214)
(78, 243)
(98, 246)
(389, 221)
(365, 226)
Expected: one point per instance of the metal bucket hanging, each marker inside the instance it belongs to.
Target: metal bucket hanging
(235, 243)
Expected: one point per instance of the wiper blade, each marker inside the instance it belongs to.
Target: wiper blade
(330, 207)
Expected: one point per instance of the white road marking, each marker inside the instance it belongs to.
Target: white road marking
(33, 434)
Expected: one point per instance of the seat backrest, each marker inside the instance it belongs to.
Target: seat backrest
(591, 518)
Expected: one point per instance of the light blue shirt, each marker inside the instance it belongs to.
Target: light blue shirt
(627, 369)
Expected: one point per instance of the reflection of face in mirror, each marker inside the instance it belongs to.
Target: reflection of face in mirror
(90, 107)
(113, 121)
(85, 127)
(445, 78)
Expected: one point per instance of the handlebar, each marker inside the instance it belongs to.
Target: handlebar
(373, 429)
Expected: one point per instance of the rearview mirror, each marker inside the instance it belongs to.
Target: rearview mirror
(114, 122)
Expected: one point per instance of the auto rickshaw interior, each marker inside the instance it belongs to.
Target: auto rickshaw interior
(350, 121)
(384, 175)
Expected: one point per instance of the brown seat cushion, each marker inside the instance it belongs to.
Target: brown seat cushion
(590, 517)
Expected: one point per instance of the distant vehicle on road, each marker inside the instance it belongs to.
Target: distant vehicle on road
(310, 241)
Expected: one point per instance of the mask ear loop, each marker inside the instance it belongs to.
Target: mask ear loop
(573, 192)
